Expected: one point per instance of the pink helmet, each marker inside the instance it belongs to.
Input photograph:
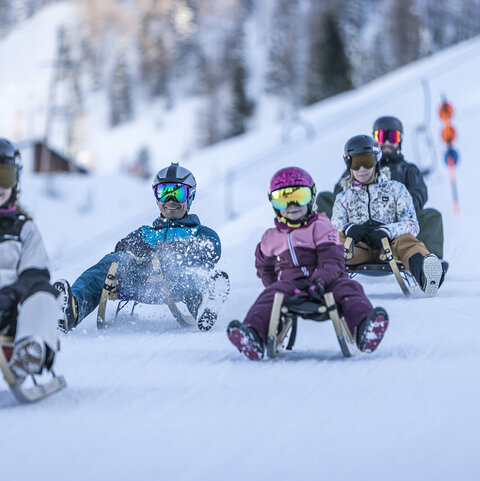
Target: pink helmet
(290, 177)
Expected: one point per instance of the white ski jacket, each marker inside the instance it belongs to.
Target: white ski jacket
(385, 201)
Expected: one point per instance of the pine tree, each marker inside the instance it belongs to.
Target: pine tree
(283, 54)
(242, 106)
(121, 109)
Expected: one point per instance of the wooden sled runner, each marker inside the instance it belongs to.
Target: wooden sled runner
(284, 320)
(403, 277)
(37, 390)
(110, 292)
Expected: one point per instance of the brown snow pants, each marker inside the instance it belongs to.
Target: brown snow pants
(403, 248)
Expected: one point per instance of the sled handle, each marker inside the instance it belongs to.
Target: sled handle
(348, 248)
(393, 265)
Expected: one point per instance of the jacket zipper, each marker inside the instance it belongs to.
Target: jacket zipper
(294, 256)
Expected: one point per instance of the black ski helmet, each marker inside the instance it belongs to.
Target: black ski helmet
(387, 123)
(174, 174)
(10, 168)
(361, 144)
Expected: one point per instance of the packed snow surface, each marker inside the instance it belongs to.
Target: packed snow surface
(152, 401)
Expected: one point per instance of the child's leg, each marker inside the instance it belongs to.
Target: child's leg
(38, 316)
(258, 316)
(353, 302)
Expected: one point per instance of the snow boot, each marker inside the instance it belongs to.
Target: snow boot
(246, 339)
(28, 357)
(69, 306)
(372, 329)
(428, 271)
(205, 307)
(207, 320)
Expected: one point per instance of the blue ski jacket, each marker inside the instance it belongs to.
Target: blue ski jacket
(184, 242)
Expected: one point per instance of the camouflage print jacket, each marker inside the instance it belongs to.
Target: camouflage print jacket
(386, 202)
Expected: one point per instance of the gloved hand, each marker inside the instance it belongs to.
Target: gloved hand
(141, 256)
(8, 299)
(315, 290)
(375, 236)
(357, 232)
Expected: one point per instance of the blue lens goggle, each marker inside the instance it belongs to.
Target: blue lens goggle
(177, 192)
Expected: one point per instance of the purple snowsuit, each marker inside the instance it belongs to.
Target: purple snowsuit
(287, 256)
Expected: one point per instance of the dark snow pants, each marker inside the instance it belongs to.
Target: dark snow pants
(348, 294)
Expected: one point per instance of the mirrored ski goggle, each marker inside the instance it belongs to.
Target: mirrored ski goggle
(367, 160)
(177, 192)
(393, 136)
(8, 175)
(281, 198)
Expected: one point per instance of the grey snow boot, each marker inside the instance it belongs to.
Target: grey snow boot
(428, 272)
(28, 357)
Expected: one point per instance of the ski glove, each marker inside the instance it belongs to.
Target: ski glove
(357, 232)
(375, 236)
(314, 290)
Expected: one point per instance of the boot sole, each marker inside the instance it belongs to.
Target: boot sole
(207, 320)
(375, 332)
(28, 358)
(242, 343)
(67, 310)
(432, 271)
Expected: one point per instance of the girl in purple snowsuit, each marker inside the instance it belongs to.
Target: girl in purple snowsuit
(303, 249)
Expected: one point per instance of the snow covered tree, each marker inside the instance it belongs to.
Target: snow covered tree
(282, 70)
(121, 108)
(240, 107)
(328, 70)
(404, 29)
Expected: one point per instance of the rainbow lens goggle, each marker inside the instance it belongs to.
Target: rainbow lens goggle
(282, 198)
(393, 136)
(177, 192)
(367, 160)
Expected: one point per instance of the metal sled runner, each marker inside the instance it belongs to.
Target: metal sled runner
(33, 393)
(284, 320)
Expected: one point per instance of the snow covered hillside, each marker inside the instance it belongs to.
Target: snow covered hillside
(153, 401)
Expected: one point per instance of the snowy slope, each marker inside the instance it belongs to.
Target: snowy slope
(153, 401)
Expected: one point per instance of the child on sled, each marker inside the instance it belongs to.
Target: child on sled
(303, 251)
(29, 310)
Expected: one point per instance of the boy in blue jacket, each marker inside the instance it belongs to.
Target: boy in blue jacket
(187, 251)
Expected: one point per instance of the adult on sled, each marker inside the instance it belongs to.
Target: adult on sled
(187, 252)
(303, 252)
(29, 310)
(372, 207)
(388, 132)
